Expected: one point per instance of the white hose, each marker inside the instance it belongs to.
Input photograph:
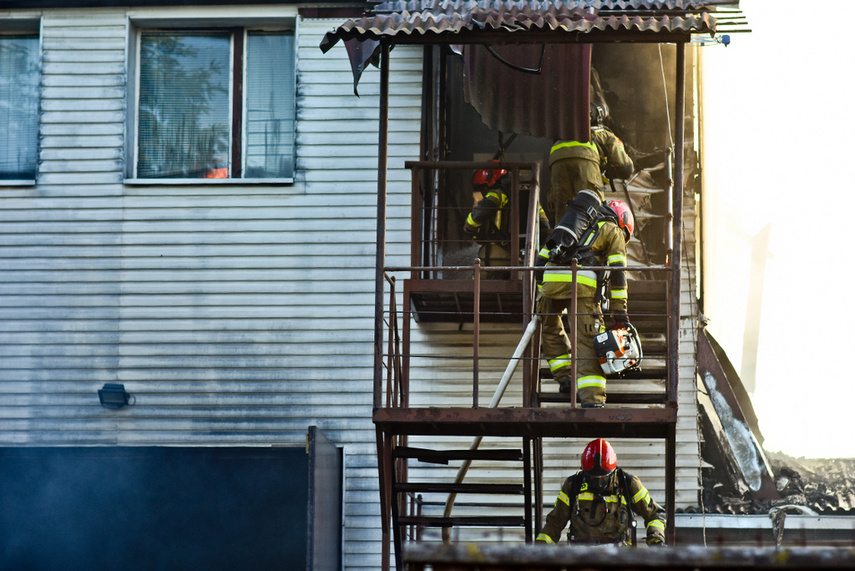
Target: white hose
(497, 397)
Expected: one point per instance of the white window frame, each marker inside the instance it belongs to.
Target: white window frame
(233, 25)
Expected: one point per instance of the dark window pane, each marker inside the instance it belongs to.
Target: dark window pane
(184, 105)
(269, 128)
(19, 106)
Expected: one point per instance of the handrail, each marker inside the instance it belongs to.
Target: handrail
(416, 197)
(400, 385)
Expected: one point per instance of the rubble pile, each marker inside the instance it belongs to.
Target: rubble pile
(806, 486)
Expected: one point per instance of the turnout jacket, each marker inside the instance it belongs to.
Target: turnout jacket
(489, 222)
(603, 516)
(605, 149)
(604, 245)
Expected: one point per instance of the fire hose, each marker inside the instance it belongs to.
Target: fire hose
(497, 397)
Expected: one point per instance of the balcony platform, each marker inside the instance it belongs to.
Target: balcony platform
(608, 422)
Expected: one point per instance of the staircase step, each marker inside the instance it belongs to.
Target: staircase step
(612, 398)
(429, 487)
(653, 374)
(479, 521)
(443, 456)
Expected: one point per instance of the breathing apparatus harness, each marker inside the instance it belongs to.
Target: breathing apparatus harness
(582, 253)
(580, 484)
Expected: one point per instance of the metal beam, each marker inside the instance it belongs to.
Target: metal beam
(529, 422)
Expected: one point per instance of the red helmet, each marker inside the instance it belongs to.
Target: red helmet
(488, 177)
(599, 458)
(624, 215)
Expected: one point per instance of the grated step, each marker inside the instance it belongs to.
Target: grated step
(435, 487)
(479, 521)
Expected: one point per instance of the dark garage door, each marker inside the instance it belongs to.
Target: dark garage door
(153, 508)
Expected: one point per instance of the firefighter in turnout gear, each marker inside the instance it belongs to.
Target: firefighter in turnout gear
(599, 503)
(577, 165)
(489, 222)
(602, 244)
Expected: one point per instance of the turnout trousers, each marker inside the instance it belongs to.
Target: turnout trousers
(590, 380)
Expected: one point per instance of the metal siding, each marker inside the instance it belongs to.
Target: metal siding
(235, 315)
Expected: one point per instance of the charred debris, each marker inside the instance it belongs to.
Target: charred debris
(740, 477)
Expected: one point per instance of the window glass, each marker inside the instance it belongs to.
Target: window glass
(269, 105)
(19, 106)
(216, 104)
(184, 105)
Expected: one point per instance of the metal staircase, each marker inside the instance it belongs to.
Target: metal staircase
(641, 404)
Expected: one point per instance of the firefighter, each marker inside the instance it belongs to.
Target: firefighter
(577, 165)
(599, 502)
(602, 244)
(489, 222)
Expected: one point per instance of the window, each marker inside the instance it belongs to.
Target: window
(215, 104)
(19, 106)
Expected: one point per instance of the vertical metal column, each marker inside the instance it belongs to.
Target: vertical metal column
(676, 291)
(384, 451)
(529, 524)
(380, 263)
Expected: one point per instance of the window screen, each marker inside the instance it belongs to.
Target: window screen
(269, 105)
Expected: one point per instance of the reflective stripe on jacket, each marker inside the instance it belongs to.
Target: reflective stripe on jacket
(602, 516)
(607, 246)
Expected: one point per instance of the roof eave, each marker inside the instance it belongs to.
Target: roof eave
(500, 36)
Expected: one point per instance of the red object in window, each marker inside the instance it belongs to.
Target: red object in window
(217, 173)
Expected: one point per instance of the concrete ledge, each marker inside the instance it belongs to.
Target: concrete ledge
(460, 557)
(757, 530)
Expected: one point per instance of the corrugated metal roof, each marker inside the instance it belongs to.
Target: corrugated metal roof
(458, 21)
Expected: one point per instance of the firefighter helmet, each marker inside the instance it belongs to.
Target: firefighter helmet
(624, 215)
(488, 177)
(599, 458)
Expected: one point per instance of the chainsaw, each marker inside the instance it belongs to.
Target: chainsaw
(618, 350)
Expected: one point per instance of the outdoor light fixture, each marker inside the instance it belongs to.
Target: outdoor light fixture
(113, 395)
(723, 40)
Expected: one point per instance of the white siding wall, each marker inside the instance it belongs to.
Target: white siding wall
(235, 315)
(334, 123)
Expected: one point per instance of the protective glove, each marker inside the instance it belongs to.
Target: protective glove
(622, 172)
(655, 542)
(620, 320)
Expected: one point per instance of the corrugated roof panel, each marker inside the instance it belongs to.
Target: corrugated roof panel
(416, 21)
(537, 104)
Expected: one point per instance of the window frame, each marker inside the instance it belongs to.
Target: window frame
(18, 28)
(237, 105)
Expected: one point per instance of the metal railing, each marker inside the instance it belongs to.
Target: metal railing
(398, 355)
